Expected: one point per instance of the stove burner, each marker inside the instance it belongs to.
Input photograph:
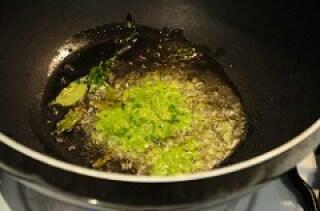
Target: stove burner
(291, 192)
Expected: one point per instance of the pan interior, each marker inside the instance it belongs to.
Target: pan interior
(162, 62)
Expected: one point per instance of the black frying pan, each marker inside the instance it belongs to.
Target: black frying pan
(269, 52)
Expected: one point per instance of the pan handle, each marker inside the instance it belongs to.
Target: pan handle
(308, 194)
(3, 204)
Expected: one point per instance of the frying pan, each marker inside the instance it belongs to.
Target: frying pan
(268, 50)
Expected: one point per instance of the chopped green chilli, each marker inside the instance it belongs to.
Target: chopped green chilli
(183, 158)
(148, 114)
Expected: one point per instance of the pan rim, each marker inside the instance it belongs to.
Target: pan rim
(62, 165)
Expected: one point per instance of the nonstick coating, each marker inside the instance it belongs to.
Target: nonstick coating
(268, 51)
(87, 49)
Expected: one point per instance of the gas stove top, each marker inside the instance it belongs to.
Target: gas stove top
(280, 194)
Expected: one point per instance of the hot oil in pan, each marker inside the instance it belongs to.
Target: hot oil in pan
(161, 107)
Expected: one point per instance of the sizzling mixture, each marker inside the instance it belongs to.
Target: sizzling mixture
(161, 119)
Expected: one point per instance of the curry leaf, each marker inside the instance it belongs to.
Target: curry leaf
(96, 75)
(71, 94)
(70, 120)
(130, 22)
